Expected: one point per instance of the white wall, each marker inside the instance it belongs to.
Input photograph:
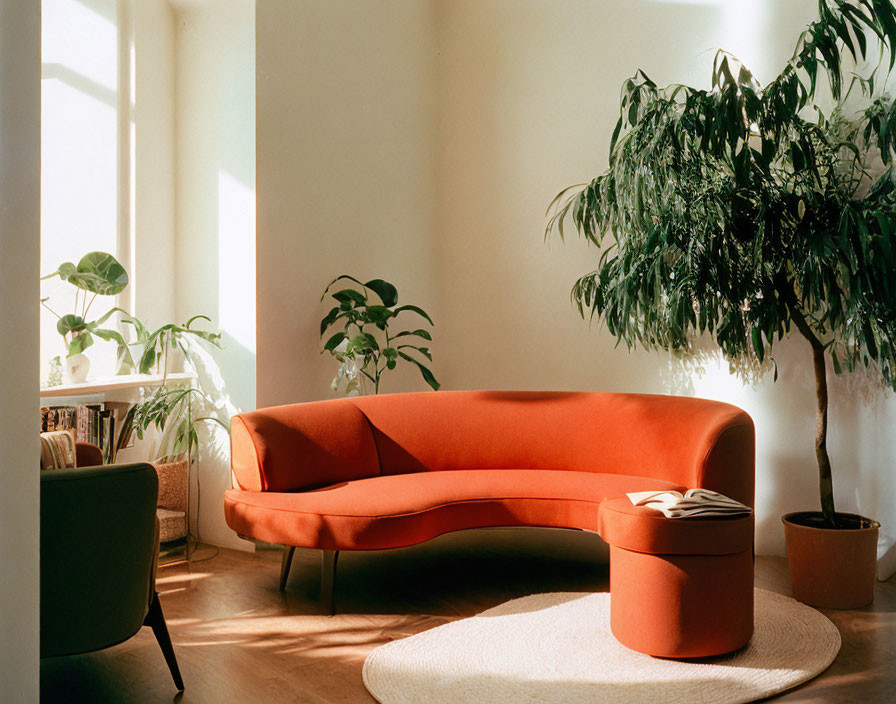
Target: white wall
(215, 217)
(19, 266)
(346, 174)
(153, 280)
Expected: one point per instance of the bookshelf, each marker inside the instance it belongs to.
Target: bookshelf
(126, 390)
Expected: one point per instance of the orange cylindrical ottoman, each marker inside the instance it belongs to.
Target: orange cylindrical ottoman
(679, 588)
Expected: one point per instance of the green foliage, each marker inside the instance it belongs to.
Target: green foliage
(170, 411)
(745, 210)
(364, 345)
(155, 345)
(170, 408)
(98, 273)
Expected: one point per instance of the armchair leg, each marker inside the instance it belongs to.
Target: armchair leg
(155, 619)
(328, 580)
(285, 564)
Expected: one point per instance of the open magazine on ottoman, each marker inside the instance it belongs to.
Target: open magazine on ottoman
(694, 503)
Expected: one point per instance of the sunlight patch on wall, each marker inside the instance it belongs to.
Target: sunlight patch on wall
(743, 30)
(236, 260)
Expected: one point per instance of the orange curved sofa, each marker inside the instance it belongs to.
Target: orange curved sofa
(376, 472)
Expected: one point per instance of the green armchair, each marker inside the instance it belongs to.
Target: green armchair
(98, 554)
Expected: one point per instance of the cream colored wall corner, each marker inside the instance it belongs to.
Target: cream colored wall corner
(20, 71)
(346, 174)
(214, 49)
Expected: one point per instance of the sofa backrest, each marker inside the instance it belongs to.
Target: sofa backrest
(693, 442)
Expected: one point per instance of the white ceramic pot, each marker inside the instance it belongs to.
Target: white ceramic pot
(75, 369)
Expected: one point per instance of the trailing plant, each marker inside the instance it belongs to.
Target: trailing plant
(366, 346)
(743, 212)
(97, 274)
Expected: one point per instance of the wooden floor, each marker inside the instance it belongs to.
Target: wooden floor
(238, 639)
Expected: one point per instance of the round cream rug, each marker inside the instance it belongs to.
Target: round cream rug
(559, 648)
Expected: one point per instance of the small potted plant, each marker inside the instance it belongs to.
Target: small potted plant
(175, 412)
(747, 212)
(97, 274)
(365, 345)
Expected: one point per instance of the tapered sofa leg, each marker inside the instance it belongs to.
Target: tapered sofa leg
(285, 564)
(155, 619)
(328, 580)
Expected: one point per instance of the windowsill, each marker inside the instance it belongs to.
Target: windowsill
(113, 383)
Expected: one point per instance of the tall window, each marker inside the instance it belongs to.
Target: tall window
(80, 155)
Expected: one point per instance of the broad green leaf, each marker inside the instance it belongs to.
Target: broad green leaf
(378, 314)
(350, 296)
(363, 343)
(329, 319)
(70, 323)
(97, 272)
(756, 335)
(415, 309)
(79, 343)
(334, 341)
(387, 292)
(424, 371)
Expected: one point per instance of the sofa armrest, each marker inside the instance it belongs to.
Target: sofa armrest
(302, 446)
(728, 465)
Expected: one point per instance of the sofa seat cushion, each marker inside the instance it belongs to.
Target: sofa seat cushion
(646, 530)
(399, 510)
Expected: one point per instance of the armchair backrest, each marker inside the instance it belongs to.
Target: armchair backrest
(97, 555)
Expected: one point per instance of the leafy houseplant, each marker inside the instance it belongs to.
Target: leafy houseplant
(745, 211)
(156, 345)
(170, 408)
(366, 347)
(97, 274)
(175, 411)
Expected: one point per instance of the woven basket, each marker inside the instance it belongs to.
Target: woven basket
(174, 478)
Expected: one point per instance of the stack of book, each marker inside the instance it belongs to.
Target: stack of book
(96, 423)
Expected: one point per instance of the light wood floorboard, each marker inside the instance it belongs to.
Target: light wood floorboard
(238, 639)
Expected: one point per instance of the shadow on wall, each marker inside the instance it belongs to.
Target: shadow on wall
(212, 474)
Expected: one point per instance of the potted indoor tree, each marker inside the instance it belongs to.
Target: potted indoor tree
(747, 212)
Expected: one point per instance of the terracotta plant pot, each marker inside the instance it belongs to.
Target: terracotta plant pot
(831, 568)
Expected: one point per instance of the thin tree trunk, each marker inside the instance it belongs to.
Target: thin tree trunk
(825, 482)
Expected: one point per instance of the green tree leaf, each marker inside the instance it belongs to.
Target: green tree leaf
(424, 371)
(334, 341)
(415, 309)
(387, 292)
